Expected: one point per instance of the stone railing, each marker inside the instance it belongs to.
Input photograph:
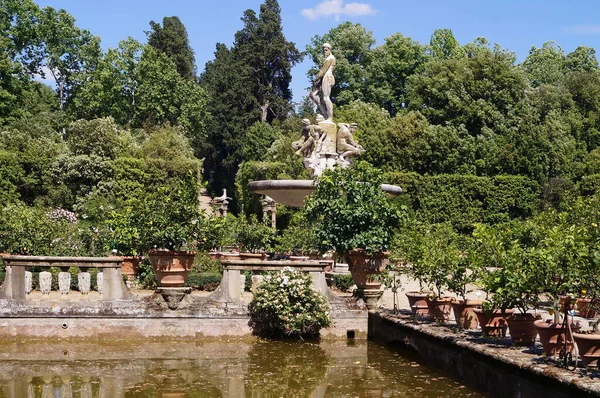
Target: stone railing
(229, 289)
(15, 284)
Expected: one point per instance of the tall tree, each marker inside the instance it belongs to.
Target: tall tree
(443, 45)
(269, 57)
(545, 65)
(172, 39)
(248, 83)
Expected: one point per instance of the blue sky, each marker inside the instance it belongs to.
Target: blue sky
(514, 24)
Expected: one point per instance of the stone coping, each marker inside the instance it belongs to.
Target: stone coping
(58, 261)
(524, 369)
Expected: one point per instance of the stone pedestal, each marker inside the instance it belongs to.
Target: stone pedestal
(370, 297)
(173, 295)
(45, 282)
(84, 282)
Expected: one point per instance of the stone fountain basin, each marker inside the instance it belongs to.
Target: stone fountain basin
(293, 192)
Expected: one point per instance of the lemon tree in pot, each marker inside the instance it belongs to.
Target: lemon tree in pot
(171, 229)
(355, 218)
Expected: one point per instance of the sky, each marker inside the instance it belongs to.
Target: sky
(516, 25)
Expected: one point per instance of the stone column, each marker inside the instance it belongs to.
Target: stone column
(269, 206)
(64, 282)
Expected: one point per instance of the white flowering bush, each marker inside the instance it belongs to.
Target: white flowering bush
(286, 305)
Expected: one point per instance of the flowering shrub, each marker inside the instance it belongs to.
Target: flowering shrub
(286, 305)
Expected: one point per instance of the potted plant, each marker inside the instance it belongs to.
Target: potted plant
(462, 276)
(170, 231)
(490, 257)
(254, 238)
(125, 237)
(353, 217)
(432, 264)
(565, 255)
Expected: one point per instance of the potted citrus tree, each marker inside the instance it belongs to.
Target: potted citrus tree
(354, 217)
(171, 226)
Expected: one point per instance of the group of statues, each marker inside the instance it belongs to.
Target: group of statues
(322, 145)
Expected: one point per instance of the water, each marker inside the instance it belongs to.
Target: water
(219, 369)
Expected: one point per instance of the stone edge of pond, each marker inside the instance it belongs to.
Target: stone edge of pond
(489, 365)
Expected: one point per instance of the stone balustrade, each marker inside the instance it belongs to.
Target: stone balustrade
(229, 289)
(17, 281)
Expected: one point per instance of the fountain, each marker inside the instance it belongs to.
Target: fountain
(323, 146)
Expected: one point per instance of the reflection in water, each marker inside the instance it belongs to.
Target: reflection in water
(218, 369)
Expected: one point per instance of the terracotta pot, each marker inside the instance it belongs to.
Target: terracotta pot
(464, 315)
(129, 265)
(585, 306)
(589, 348)
(439, 308)
(171, 268)
(522, 331)
(230, 256)
(252, 256)
(552, 336)
(364, 267)
(214, 255)
(418, 303)
(493, 323)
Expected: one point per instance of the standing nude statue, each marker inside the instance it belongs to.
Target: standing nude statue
(322, 84)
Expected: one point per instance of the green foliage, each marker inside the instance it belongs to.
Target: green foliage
(254, 236)
(285, 304)
(545, 65)
(48, 232)
(172, 40)
(509, 263)
(298, 238)
(202, 281)
(342, 282)
(465, 200)
(98, 137)
(436, 254)
(350, 211)
(256, 171)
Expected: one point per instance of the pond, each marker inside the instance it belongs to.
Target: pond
(219, 369)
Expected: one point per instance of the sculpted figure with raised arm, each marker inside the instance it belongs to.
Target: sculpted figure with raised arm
(322, 84)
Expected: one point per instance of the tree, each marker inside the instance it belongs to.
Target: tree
(248, 83)
(68, 52)
(583, 59)
(163, 96)
(477, 91)
(545, 65)
(443, 45)
(172, 39)
(269, 58)
(387, 74)
(111, 89)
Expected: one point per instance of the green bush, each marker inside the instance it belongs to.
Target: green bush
(203, 281)
(342, 282)
(286, 305)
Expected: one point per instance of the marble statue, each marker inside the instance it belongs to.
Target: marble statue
(322, 83)
(346, 145)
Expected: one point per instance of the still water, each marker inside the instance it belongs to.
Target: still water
(218, 369)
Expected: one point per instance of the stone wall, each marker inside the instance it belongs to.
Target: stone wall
(480, 365)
